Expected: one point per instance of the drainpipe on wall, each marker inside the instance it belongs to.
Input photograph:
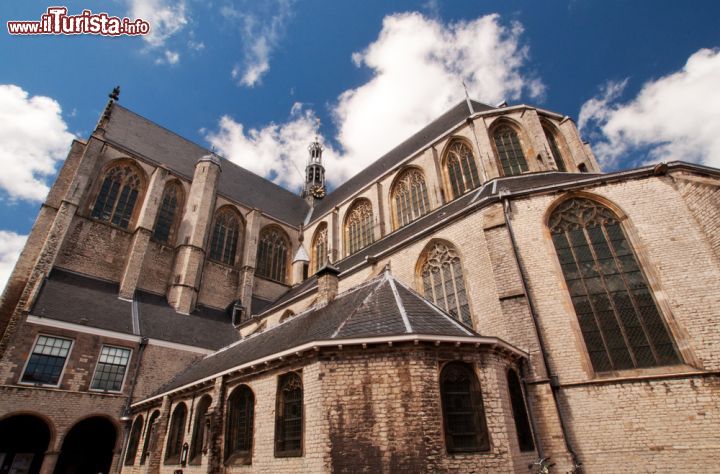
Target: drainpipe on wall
(554, 386)
(125, 417)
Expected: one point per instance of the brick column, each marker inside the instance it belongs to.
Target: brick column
(216, 414)
(192, 235)
(246, 278)
(143, 232)
(335, 236)
(49, 461)
(158, 443)
(538, 145)
(381, 210)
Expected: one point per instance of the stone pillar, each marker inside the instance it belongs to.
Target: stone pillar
(538, 146)
(381, 209)
(216, 414)
(157, 442)
(55, 237)
(143, 232)
(246, 279)
(437, 196)
(327, 284)
(580, 152)
(486, 152)
(49, 461)
(192, 235)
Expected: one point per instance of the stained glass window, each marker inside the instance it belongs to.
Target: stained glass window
(461, 169)
(117, 197)
(510, 153)
(410, 198)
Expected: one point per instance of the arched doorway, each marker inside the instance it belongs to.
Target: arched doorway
(23, 442)
(88, 448)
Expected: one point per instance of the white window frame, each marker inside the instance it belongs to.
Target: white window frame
(32, 351)
(99, 390)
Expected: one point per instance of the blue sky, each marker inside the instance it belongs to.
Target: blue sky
(259, 79)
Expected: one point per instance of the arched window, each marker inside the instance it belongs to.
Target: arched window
(165, 223)
(199, 437)
(443, 282)
(519, 410)
(618, 317)
(134, 441)
(359, 226)
(239, 426)
(409, 196)
(462, 409)
(289, 416)
(510, 153)
(225, 236)
(176, 435)
(555, 149)
(461, 168)
(320, 248)
(272, 254)
(150, 434)
(118, 194)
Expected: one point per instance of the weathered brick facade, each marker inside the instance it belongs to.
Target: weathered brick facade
(367, 406)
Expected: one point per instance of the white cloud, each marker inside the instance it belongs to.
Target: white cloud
(11, 245)
(169, 57)
(34, 138)
(166, 18)
(674, 117)
(261, 33)
(418, 65)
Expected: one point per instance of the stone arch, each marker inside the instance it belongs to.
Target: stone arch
(320, 250)
(227, 235)
(25, 437)
(513, 164)
(463, 176)
(89, 446)
(557, 145)
(273, 254)
(358, 226)
(408, 196)
(128, 175)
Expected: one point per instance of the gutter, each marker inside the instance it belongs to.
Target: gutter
(554, 384)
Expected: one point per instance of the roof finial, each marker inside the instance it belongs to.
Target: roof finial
(115, 94)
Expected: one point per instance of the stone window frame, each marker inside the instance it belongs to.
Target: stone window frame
(482, 432)
(174, 225)
(176, 434)
(150, 437)
(240, 457)
(407, 180)
(360, 208)
(237, 251)
(448, 176)
(421, 284)
(134, 438)
(565, 159)
(276, 273)
(522, 140)
(30, 354)
(321, 230)
(97, 187)
(675, 330)
(97, 363)
(282, 381)
(199, 439)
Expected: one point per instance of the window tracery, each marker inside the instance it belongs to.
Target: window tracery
(443, 282)
(359, 226)
(118, 195)
(463, 412)
(225, 235)
(320, 248)
(410, 197)
(461, 168)
(272, 255)
(164, 225)
(510, 153)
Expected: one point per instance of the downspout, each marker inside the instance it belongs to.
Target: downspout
(531, 412)
(554, 387)
(125, 417)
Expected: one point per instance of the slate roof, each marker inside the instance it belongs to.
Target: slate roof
(392, 158)
(382, 307)
(157, 144)
(83, 300)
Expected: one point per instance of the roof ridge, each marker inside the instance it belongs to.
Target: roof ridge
(361, 305)
(399, 303)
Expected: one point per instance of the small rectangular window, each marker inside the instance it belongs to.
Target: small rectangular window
(110, 370)
(47, 360)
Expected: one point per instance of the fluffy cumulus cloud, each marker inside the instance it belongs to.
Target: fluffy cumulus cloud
(672, 118)
(167, 18)
(418, 65)
(261, 31)
(10, 246)
(34, 137)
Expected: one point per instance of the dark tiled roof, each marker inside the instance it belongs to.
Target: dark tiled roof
(79, 299)
(396, 155)
(369, 310)
(158, 144)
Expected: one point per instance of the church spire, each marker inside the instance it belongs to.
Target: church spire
(314, 173)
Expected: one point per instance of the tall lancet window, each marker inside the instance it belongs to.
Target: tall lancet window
(320, 248)
(359, 226)
(226, 231)
(272, 254)
(118, 195)
(510, 153)
(618, 316)
(166, 219)
(461, 168)
(555, 149)
(410, 198)
(442, 281)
